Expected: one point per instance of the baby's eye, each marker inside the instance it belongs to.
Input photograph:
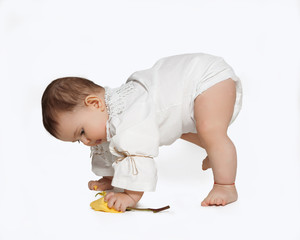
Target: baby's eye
(82, 132)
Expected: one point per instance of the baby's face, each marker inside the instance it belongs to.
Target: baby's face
(86, 124)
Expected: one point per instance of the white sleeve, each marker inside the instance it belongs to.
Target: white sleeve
(102, 160)
(135, 148)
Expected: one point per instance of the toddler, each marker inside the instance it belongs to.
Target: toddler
(190, 96)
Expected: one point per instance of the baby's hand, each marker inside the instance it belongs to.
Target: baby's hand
(120, 201)
(101, 185)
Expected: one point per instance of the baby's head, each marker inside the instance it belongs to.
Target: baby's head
(74, 109)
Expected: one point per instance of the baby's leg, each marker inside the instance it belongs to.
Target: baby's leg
(213, 112)
(101, 185)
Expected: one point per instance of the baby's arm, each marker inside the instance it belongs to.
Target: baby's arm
(102, 184)
(120, 201)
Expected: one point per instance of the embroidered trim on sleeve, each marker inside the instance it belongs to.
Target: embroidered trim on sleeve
(100, 150)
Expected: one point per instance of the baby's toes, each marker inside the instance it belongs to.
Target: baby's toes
(205, 202)
(218, 201)
(211, 201)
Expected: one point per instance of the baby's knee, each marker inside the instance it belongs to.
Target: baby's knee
(207, 128)
(209, 131)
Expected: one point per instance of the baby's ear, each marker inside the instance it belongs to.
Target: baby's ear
(95, 101)
(92, 100)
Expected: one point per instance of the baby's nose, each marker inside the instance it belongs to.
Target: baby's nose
(85, 141)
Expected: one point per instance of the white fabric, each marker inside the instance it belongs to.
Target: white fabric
(102, 160)
(154, 108)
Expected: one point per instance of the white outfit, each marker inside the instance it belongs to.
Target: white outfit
(154, 108)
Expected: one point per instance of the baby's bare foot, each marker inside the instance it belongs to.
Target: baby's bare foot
(220, 195)
(101, 185)
(206, 164)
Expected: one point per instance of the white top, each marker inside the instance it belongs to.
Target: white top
(154, 108)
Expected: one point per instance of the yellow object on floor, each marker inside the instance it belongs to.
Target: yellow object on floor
(101, 205)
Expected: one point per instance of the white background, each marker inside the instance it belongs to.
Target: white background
(43, 182)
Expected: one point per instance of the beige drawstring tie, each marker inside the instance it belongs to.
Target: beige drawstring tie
(126, 154)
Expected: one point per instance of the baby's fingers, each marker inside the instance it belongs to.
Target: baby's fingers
(123, 208)
(96, 185)
(117, 205)
(110, 198)
(91, 185)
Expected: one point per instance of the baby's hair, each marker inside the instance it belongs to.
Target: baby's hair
(63, 95)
